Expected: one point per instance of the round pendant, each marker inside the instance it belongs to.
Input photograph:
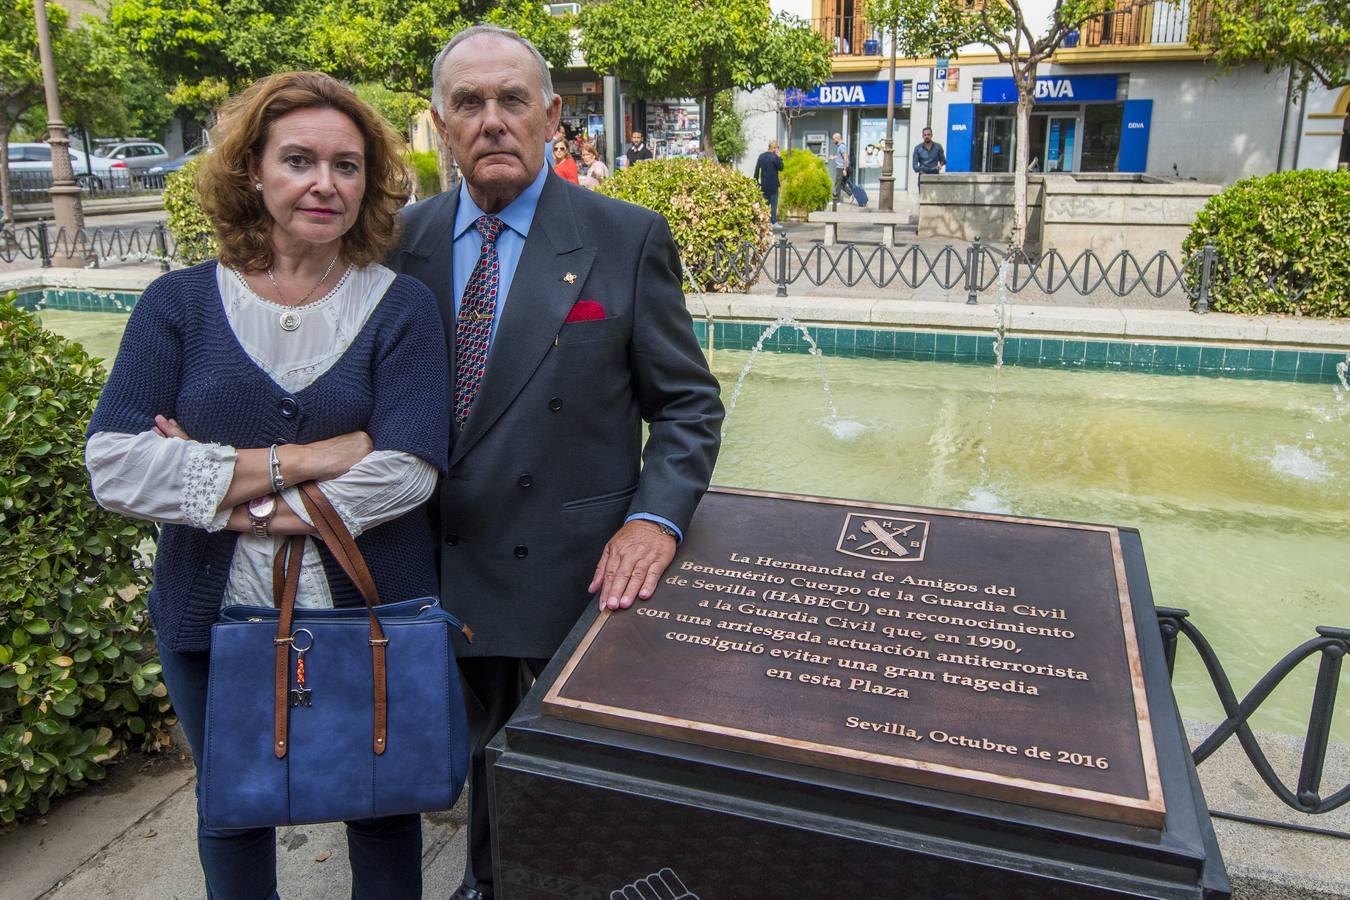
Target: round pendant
(290, 321)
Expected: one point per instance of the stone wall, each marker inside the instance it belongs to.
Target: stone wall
(1071, 213)
(970, 205)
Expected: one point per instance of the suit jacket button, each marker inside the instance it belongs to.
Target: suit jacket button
(555, 404)
(525, 480)
(288, 407)
(451, 540)
(522, 551)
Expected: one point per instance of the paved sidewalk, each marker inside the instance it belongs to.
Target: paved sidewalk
(133, 837)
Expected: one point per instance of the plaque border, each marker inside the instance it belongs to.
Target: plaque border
(1149, 811)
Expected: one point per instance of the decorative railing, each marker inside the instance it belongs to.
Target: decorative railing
(976, 270)
(1135, 24)
(849, 35)
(31, 188)
(1331, 646)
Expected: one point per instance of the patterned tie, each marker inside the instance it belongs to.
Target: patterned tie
(473, 330)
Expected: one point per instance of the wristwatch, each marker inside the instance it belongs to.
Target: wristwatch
(666, 530)
(260, 513)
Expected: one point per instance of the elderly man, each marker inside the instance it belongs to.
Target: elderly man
(566, 328)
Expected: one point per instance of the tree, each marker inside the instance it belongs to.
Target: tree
(393, 42)
(202, 46)
(1312, 36)
(399, 108)
(917, 28)
(112, 90)
(697, 48)
(728, 133)
(20, 77)
(89, 67)
(1004, 27)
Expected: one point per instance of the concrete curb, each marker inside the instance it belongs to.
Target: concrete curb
(1082, 321)
(94, 208)
(1266, 862)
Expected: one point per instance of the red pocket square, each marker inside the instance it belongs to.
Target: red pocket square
(586, 311)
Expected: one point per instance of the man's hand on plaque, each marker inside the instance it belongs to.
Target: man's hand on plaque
(632, 564)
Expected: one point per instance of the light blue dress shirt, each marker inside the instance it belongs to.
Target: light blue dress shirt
(468, 244)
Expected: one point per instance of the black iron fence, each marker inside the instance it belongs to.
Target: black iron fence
(44, 245)
(975, 270)
(1331, 645)
(31, 188)
(978, 269)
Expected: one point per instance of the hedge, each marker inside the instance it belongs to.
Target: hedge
(78, 678)
(1282, 244)
(805, 185)
(426, 167)
(717, 215)
(191, 230)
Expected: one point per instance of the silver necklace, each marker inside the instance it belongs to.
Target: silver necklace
(290, 319)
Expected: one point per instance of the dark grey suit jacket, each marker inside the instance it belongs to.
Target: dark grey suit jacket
(551, 460)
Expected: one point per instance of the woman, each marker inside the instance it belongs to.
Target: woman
(596, 171)
(563, 163)
(294, 357)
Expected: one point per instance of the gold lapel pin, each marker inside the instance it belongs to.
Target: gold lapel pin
(570, 278)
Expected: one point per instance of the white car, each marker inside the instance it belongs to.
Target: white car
(94, 172)
(138, 155)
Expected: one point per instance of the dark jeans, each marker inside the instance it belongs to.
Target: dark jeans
(241, 864)
(771, 197)
(843, 185)
(493, 688)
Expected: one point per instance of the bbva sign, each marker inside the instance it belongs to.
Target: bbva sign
(1054, 89)
(841, 93)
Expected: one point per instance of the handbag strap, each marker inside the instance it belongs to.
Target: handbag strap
(340, 543)
(285, 585)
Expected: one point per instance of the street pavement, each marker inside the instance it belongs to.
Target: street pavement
(133, 836)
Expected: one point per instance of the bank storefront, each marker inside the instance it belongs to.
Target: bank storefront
(856, 110)
(1080, 123)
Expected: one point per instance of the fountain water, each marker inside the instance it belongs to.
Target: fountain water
(983, 497)
(842, 428)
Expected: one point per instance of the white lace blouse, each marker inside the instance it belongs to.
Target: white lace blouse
(183, 482)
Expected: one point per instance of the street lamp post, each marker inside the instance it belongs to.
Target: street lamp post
(886, 202)
(65, 193)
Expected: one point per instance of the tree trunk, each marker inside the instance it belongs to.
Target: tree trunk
(709, 104)
(6, 198)
(1026, 88)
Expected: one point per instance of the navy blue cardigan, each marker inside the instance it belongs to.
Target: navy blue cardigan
(180, 358)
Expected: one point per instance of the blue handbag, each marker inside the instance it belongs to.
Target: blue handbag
(364, 703)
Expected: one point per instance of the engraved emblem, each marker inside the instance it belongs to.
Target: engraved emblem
(883, 538)
(570, 278)
(290, 321)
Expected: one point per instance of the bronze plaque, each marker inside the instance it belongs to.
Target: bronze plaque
(982, 654)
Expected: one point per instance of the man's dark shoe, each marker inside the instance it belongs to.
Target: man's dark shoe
(467, 893)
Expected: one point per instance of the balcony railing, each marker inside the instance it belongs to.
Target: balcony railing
(849, 35)
(1158, 24)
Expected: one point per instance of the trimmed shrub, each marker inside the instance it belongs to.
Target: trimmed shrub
(805, 183)
(78, 678)
(191, 229)
(717, 215)
(426, 173)
(1282, 242)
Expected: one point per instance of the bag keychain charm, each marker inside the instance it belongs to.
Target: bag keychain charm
(301, 695)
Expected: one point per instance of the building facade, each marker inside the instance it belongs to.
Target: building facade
(1127, 93)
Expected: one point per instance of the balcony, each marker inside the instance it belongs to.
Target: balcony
(849, 35)
(1158, 24)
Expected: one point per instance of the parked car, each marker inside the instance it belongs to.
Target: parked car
(177, 163)
(30, 167)
(140, 156)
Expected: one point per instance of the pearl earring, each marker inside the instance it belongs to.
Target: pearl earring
(257, 185)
